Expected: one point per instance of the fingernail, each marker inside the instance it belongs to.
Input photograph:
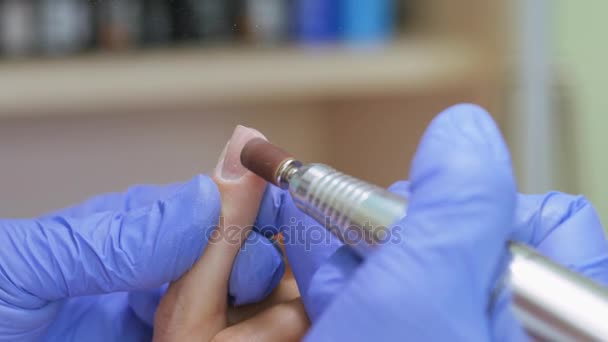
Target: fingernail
(229, 166)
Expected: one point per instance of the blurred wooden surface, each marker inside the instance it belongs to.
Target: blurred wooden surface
(193, 79)
(50, 162)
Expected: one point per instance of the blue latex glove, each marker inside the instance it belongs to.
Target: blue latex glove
(93, 272)
(447, 181)
(307, 244)
(433, 281)
(565, 228)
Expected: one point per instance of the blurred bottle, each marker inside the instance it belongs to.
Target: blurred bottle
(120, 23)
(407, 11)
(182, 20)
(267, 21)
(17, 27)
(316, 20)
(368, 21)
(204, 20)
(214, 20)
(64, 26)
(156, 22)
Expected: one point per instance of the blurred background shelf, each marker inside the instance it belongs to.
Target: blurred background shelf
(82, 114)
(196, 78)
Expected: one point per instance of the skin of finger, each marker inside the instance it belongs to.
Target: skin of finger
(195, 306)
(285, 292)
(283, 322)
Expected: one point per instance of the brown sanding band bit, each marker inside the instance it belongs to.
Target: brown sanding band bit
(268, 161)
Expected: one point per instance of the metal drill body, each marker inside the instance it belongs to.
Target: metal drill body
(360, 214)
(551, 301)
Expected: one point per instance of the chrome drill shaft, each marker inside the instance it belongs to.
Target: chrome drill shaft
(551, 301)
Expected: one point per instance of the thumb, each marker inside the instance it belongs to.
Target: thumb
(57, 257)
(333, 272)
(308, 246)
(463, 194)
(462, 197)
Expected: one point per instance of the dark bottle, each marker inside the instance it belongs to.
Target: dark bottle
(215, 19)
(64, 26)
(17, 27)
(182, 20)
(156, 22)
(119, 23)
(205, 20)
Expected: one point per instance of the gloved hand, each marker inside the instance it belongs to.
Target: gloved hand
(93, 272)
(566, 229)
(562, 227)
(442, 259)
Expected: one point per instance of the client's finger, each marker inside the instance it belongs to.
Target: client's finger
(286, 291)
(282, 322)
(195, 306)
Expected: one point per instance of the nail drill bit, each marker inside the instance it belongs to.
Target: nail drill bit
(552, 302)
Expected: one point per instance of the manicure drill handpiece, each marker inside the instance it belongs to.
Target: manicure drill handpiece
(552, 302)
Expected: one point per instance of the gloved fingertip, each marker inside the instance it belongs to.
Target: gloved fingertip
(202, 195)
(277, 271)
(476, 125)
(308, 245)
(464, 141)
(463, 194)
(596, 269)
(269, 215)
(277, 275)
(330, 278)
(401, 188)
(462, 163)
(552, 223)
(257, 270)
(539, 215)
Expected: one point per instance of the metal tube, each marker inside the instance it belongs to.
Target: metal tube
(551, 301)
